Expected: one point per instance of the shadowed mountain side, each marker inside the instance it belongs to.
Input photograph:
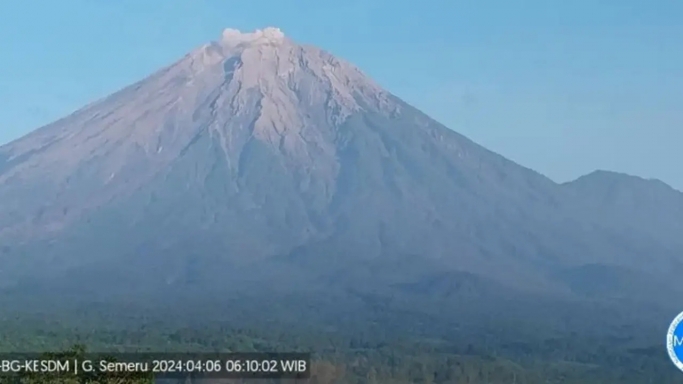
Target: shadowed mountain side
(644, 210)
(256, 166)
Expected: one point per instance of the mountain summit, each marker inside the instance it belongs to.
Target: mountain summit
(256, 160)
(246, 88)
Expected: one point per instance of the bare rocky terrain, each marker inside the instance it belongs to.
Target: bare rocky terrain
(255, 166)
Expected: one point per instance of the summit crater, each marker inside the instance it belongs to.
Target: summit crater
(258, 161)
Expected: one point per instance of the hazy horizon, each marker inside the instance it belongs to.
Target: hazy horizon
(562, 91)
(367, 183)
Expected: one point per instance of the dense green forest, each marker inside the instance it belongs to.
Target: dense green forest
(361, 357)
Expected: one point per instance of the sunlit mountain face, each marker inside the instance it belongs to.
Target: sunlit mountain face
(256, 168)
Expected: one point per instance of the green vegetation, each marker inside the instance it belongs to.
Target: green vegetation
(77, 352)
(357, 357)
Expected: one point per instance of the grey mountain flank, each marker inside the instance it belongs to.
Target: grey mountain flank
(256, 161)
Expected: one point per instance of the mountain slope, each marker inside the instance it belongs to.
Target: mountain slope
(256, 160)
(641, 206)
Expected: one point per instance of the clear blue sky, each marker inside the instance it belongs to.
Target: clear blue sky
(564, 87)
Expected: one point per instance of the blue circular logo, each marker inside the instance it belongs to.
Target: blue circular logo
(674, 341)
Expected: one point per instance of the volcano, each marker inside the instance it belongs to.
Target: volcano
(255, 165)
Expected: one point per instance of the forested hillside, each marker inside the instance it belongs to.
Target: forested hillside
(368, 358)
